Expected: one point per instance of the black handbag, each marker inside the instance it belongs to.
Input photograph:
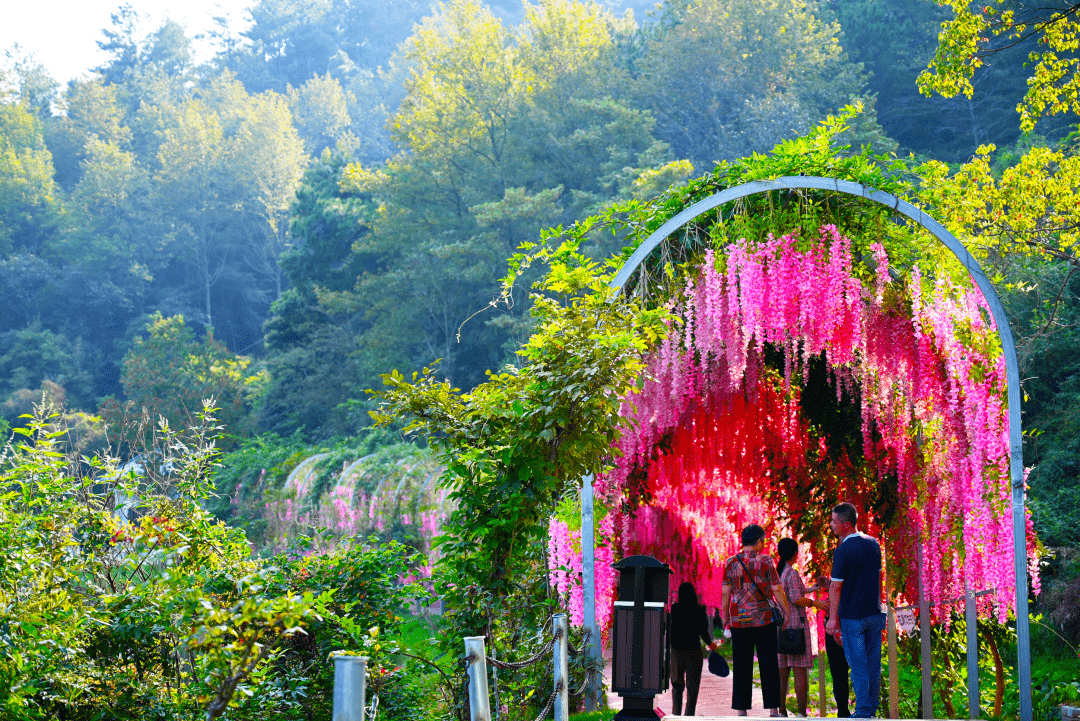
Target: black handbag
(777, 615)
(791, 641)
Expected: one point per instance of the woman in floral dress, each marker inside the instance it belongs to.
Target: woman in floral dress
(798, 601)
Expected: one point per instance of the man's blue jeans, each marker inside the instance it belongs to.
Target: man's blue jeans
(862, 648)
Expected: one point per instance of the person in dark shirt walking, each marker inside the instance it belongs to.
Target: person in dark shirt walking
(689, 627)
(855, 616)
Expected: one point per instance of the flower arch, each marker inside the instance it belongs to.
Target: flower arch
(720, 407)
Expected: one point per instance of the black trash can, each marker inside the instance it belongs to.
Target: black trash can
(639, 663)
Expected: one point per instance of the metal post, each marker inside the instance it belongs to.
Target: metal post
(1023, 629)
(350, 687)
(588, 580)
(924, 640)
(822, 659)
(562, 673)
(479, 707)
(972, 620)
(894, 671)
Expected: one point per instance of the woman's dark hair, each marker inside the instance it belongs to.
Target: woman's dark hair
(752, 534)
(687, 594)
(786, 550)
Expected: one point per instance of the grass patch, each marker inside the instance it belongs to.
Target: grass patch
(605, 715)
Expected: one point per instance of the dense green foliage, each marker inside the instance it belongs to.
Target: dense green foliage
(122, 597)
(333, 201)
(517, 441)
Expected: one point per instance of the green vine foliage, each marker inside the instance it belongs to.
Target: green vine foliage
(820, 153)
(515, 443)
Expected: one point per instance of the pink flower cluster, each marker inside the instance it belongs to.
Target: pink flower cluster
(722, 439)
(565, 574)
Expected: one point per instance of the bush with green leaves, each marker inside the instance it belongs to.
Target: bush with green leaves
(122, 597)
(365, 598)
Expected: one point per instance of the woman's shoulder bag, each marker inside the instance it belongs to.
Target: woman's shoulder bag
(777, 615)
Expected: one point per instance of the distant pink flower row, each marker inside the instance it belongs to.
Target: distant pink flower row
(345, 517)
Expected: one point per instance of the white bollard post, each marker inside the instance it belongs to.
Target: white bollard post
(924, 640)
(479, 706)
(562, 673)
(971, 617)
(350, 687)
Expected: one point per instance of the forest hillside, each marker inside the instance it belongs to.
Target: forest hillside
(335, 191)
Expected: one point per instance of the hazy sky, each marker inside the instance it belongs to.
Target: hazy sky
(62, 34)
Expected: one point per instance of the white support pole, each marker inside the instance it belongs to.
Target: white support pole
(479, 707)
(894, 669)
(588, 580)
(972, 620)
(350, 687)
(924, 641)
(822, 660)
(562, 673)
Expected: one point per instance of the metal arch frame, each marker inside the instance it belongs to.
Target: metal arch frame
(1008, 348)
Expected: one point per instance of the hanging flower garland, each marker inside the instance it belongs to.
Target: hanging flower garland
(564, 563)
(731, 424)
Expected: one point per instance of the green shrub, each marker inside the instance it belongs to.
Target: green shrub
(122, 597)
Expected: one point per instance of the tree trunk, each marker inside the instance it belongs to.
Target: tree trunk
(999, 673)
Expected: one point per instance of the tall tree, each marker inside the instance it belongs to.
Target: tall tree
(894, 41)
(121, 43)
(90, 110)
(966, 43)
(727, 78)
(507, 130)
(169, 372)
(227, 174)
(320, 110)
(29, 204)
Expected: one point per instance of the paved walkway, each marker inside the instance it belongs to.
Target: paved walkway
(714, 698)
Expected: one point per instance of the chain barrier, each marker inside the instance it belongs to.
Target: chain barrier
(374, 707)
(550, 702)
(465, 663)
(518, 665)
(574, 650)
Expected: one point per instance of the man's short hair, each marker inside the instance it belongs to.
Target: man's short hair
(847, 513)
(752, 534)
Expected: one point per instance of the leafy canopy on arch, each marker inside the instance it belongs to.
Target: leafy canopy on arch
(514, 443)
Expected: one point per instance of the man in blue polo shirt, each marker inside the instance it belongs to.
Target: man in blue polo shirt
(855, 616)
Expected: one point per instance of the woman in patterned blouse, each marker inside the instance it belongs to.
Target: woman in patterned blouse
(748, 577)
(796, 592)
